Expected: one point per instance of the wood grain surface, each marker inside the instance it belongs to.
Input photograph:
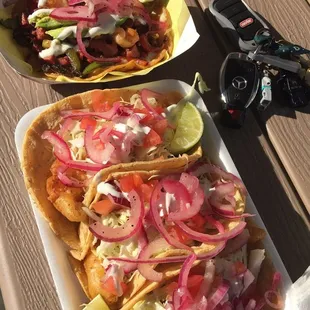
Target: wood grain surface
(22, 261)
(289, 130)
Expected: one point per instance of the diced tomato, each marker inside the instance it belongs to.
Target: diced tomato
(104, 207)
(193, 283)
(147, 120)
(178, 234)
(130, 182)
(87, 121)
(99, 102)
(109, 286)
(143, 111)
(160, 126)
(152, 139)
(146, 192)
(197, 223)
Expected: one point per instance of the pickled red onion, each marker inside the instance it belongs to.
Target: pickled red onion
(61, 148)
(99, 156)
(212, 238)
(130, 228)
(145, 94)
(77, 13)
(82, 48)
(158, 222)
(200, 169)
(218, 295)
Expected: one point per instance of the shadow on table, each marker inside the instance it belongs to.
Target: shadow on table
(244, 145)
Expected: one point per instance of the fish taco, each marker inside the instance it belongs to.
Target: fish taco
(86, 40)
(73, 139)
(147, 224)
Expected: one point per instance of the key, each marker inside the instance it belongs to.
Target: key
(274, 61)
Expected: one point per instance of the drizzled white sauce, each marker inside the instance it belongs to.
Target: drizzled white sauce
(37, 13)
(106, 26)
(41, 3)
(57, 48)
(106, 189)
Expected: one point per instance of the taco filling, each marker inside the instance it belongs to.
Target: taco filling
(83, 38)
(149, 229)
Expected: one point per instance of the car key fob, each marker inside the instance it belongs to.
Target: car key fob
(240, 20)
(239, 84)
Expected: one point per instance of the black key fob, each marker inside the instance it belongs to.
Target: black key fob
(240, 20)
(239, 84)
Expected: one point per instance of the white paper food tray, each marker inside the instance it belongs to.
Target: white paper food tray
(69, 291)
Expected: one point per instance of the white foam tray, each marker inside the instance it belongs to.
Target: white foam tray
(69, 291)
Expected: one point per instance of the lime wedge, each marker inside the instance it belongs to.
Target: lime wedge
(97, 303)
(189, 129)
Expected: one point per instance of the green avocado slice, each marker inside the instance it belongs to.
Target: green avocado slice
(51, 23)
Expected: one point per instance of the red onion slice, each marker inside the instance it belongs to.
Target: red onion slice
(205, 238)
(79, 114)
(80, 28)
(85, 166)
(217, 224)
(233, 217)
(181, 297)
(104, 136)
(130, 228)
(201, 169)
(71, 182)
(218, 295)
(61, 148)
(77, 13)
(190, 182)
(158, 222)
(207, 282)
(66, 126)
(145, 94)
(97, 155)
(152, 248)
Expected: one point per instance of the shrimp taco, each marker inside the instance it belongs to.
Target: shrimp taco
(73, 139)
(86, 40)
(146, 224)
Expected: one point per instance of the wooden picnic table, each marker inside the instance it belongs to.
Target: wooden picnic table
(271, 152)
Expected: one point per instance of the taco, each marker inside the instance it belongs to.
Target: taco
(243, 279)
(73, 139)
(175, 240)
(146, 224)
(86, 40)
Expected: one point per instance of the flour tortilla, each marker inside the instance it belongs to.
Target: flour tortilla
(37, 159)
